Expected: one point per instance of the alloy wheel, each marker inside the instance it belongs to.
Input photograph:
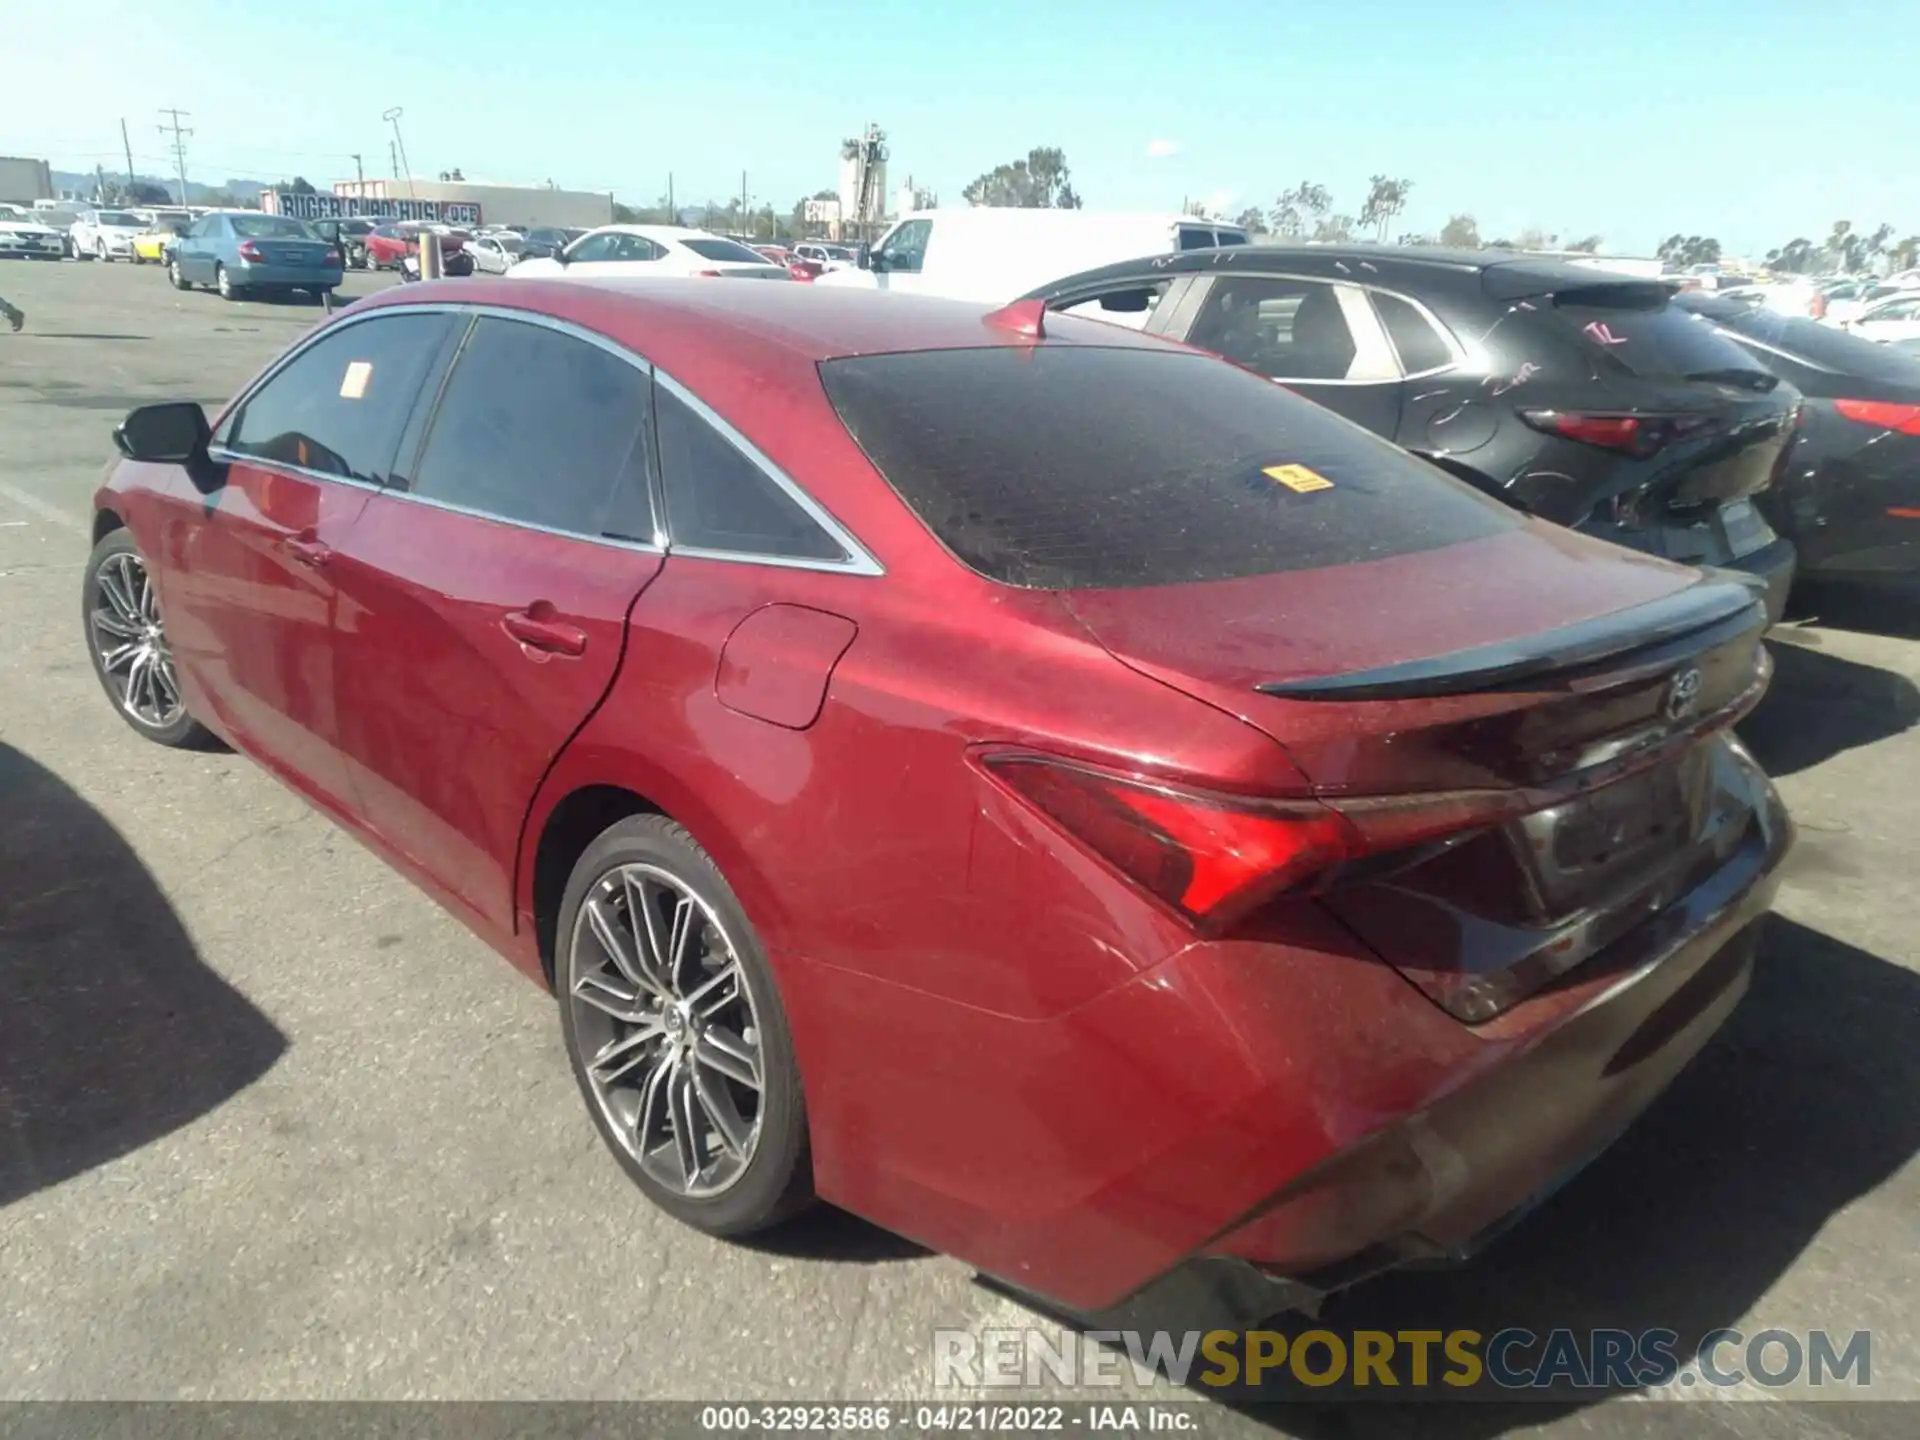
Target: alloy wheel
(131, 643)
(668, 1033)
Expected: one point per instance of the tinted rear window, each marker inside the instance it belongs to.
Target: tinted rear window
(723, 250)
(271, 227)
(1825, 347)
(1659, 341)
(1069, 467)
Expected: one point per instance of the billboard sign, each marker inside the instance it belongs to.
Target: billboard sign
(341, 207)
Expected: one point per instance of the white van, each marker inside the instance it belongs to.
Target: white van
(996, 255)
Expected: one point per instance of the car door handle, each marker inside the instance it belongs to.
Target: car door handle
(536, 628)
(309, 552)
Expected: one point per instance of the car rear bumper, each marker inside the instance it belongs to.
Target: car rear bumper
(304, 277)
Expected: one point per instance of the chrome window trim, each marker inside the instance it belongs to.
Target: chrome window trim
(859, 561)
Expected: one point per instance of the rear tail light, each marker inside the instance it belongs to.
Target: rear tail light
(1817, 307)
(1885, 414)
(1637, 435)
(251, 251)
(1215, 857)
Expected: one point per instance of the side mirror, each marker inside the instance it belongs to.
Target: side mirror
(174, 433)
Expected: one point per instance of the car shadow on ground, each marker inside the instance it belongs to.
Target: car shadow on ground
(1806, 1101)
(1873, 609)
(829, 1233)
(1821, 704)
(112, 1031)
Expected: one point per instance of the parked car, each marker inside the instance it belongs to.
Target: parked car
(1838, 301)
(244, 254)
(105, 234)
(1892, 317)
(1582, 397)
(773, 254)
(158, 241)
(454, 264)
(24, 239)
(635, 251)
(984, 253)
(495, 254)
(1849, 497)
(827, 257)
(348, 236)
(543, 242)
(1037, 787)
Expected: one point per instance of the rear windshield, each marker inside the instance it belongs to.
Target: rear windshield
(715, 249)
(1657, 340)
(270, 227)
(114, 217)
(1070, 467)
(1824, 347)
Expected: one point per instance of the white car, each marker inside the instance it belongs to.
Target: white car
(494, 252)
(827, 257)
(632, 251)
(105, 234)
(1893, 317)
(21, 238)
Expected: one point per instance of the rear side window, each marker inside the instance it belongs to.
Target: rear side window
(1419, 345)
(1288, 329)
(1071, 467)
(715, 249)
(1230, 237)
(339, 406)
(1655, 340)
(1824, 347)
(719, 499)
(1194, 237)
(541, 428)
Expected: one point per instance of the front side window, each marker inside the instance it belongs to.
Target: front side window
(1195, 237)
(593, 248)
(542, 428)
(338, 407)
(719, 499)
(1288, 329)
(904, 252)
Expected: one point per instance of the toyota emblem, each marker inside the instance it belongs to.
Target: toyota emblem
(1683, 694)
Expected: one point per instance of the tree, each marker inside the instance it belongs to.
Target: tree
(1252, 221)
(1588, 246)
(1334, 230)
(1386, 198)
(1534, 238)
(1679, 249)
(1294, 209)
(1462, 232)
(1906, 254)
(1796, 257)
(1411, 237)
(145, 192)
(299, 185)
(1039, 182)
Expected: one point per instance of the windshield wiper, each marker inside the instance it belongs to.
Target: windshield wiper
(1759, 380)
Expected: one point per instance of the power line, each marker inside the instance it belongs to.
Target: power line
(179, 148)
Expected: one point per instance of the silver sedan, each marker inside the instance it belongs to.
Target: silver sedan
(494, 254)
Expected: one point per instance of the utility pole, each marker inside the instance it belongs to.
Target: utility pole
(99, 184)
(673, 214)
(128, 146)
(743, 203)
(392, 117)
(359, 170)
(393, 161)
(179, 148)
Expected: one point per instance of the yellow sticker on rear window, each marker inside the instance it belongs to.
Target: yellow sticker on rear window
(1297, 478)
(354, 383)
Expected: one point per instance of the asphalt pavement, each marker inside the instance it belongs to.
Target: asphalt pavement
(273, 1126)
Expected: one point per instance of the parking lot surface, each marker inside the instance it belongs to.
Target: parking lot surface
(279, 1128)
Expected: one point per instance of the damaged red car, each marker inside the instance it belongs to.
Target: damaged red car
(1036, 786)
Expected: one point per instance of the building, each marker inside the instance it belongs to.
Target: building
(499, 204)
(24, 181)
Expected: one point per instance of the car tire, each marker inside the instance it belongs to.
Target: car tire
(680, 1083)
(177, 276)
(224, 284)
(120, 612)
(104, 255)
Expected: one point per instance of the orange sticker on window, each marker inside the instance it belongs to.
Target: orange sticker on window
(354, 383)
(1297, 478)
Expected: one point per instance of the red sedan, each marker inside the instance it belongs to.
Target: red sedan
(389, 246)
(1041, 788)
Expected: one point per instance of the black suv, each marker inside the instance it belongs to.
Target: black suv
(1577, 394)
(348, 235)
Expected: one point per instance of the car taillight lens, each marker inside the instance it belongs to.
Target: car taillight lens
(251, 251)
(1885, 414)
(1212, 857)
(1637, 435)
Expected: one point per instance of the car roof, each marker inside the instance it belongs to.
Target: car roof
(1517, 274)
(656, 232)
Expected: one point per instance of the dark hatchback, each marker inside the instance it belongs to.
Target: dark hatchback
(1578, 395)
(545, 242)
(1849, 498)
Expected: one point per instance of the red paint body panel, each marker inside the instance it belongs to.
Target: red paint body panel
(776, 664)
(1009, 1049)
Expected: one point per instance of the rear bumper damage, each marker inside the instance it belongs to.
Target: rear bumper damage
(1435, 1186)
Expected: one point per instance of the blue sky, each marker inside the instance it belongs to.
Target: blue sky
(1754, 122)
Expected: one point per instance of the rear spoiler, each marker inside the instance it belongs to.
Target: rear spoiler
(1714, 610)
